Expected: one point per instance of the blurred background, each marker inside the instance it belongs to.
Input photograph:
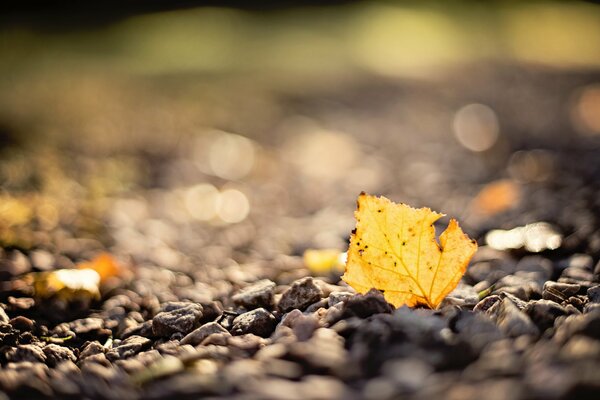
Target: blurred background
(219, 133)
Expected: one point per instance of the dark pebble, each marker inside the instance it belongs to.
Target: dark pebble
(486, 303)
(301, 294)
(365, 305)
(56, 354)
(259, 322)
(594, 294)
(22, 323)
(558, 292)
(511, 320)
(259, 294)
(198, 335)
(180, 317)
(544, 312)
(26, 352)
(128, 347)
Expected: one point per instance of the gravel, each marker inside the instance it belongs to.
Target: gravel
(213, 309)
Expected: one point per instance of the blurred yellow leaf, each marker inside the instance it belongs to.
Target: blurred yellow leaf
(320, 261)
(65, 284)
(104, 264)
(394, 249)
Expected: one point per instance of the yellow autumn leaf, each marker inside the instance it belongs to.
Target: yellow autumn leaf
(394, 249)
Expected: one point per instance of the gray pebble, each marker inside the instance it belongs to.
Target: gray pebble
(259, 294)
(259, 322)
(26, 352)
(198, 335)
(301, 294)
(128, 347)
(511, 320)
(594, 294)
(558, 292)
(544, 312)
(180, 317)
(56, 354)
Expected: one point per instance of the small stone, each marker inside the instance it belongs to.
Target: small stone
(56, 354)
(180, 317)
(323, 303)
(198, 335)
(248, 342)
(259, 322)
(558, 292)
(217, 339)
(587, 324)
(259, 294)
(302, 325)
(486, 303)
(22, 324)
(26, 352)
(336, 297)
(511, 320)
(544, 312)
(3, 316)
(300, 295)
(365, 305)
(128, 347)
(594, 294)
(90, 349)
(86, 325)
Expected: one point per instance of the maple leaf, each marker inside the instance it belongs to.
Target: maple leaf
(394, 249)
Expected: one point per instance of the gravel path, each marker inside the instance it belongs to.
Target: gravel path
(216, 301)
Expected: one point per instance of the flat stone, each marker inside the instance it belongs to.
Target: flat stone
(300, 295)
(128, 347)
(558, 292)
(259, 294)
(259, 322)
(182, 318)
(198, 335)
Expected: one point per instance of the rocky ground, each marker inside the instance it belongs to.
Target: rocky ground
(215, 300)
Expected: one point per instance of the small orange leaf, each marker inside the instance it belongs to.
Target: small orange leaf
(104, 264)
(496, 197)
(394, 249)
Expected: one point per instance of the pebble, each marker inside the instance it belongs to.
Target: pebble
(511, 320)
(26, 352)
(90, 349)
(259, 294)
(198, 335)
(487, 302)
(365, 305)
(21, 323)
(544, 312)
(259, 322)
(56, 354)
(302, 325)
(337, 296)
(176, 317)
(594, 294)
(302, 293)
(558, 292)
(3, 316)
(128, 347)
